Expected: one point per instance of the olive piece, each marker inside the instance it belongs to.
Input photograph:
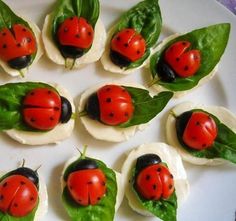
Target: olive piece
(146, 160)
(92, 107)
(181, 123)
(66, 110)
(70, 51)
(119, 59)
(28, 173)
(20, 62)
(164, 71)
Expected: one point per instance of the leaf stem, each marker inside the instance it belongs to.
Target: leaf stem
(84, 151)
(153, 81)
(21, 73)
(173, 114)
(83, 113)
(73, 116)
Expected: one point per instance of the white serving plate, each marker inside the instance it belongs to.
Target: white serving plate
(213, 192)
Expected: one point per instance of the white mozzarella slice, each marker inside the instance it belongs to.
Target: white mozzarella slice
(40, 51)
(59, 133)
(105, 132)
(169, 156)
(224, 115)
(94, 53)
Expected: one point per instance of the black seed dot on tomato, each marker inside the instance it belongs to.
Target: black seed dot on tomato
(98, 198)
(15, 205)
(177, 59)
(118, 38)
(194, 138)
(204, 145)
(29, 40)
(4, 33)
(103, 183)
(1, 197)
(22, 183)
(195, 57)
(70, 187)
(51, 118)
(138, 52)
(186, 68)
(65, 29)
(49, 92)
(111, 115)
(77, 36)
(71, 18)
(126, 114)
(170, 186)
(148, 177)
(108, 100)
(171, 176)
(198, 123)
(127, 31)
(90, 182)
(140, 38)
(89, 33)
(152, 197)
(79, 200)
(154, 186)
(184, 43)
(5, 184)
(24, 30)
(123, 90)
(4, 46)
(56, 108)
(126, 45)
(31, 198)
(32, 120)
(159, 169)
(108, 89)
(18, 45)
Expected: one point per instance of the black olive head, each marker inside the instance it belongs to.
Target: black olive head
(20, 62)
(147, 160)
(85, 164)
(66, 110)
(165, 72)
(92, 107)
(119, 59)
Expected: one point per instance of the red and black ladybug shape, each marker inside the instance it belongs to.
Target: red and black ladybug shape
(111, 104)
(196, 130)
(44, 108)
(86, 182)
(153, 179)
(19, 192)
(17, 46)
(179, 60)
(74, 36)
(127, 46)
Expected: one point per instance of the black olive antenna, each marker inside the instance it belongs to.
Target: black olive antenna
(36, 171)
(23, 163)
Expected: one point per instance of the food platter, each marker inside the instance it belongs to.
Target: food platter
(212, 189)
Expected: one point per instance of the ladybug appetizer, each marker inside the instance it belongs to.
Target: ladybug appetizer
(202, 135)
(78, 38)
(131, 40)
(22, 194)
(120, 110)
(154, 175)
(19, 43)
(184, 62)
(40, 113)
(90, 189)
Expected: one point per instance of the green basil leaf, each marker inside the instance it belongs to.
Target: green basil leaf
(104, 210)
(223, 147)
(145, 18)
(211, 41)
(8, 18)
(11, 97)
(165, 209)
(88, 9)
(145, 106)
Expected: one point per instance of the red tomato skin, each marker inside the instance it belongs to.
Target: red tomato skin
(184, 62)
(18, 196)
(42, 108)
(115, 105)
(155, 182)
(76, 32)
(129, 43)
(87, 187)
(19, 44)
(200, 131)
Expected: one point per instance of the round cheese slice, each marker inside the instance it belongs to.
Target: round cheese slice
(40, 51)
(168, 155)
(224, 115)
(94, 53)
(59, 133)
(119, 180)
(101, 131)
(178, 94)
(109, 65)
(43, 199)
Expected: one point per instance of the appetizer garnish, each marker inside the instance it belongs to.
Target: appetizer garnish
(186, 61)
(119, 110)
(35, 107)
(91, 190)
(131, 40)
(22, 195)
(202, 135)
(73, 33)
(20, 42)
(155, 180)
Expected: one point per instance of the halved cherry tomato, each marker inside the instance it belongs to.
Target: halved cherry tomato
(18, 195)
(129, 44)
(200, 131)
(115, 104)
(75, 32)
(87, 186)
(184, 62)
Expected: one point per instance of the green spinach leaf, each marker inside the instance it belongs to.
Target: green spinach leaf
(145, 18)
(104, 210)
(223, 147)
(211, 41)
(145, 106)
(11, 97)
